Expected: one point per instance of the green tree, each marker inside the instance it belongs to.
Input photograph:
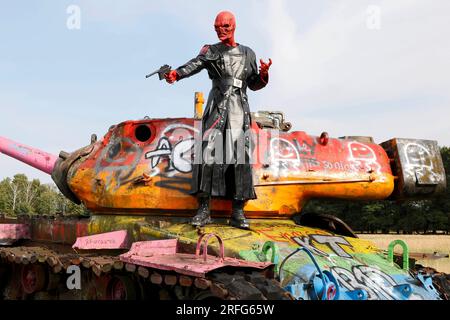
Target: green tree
(5, 201)
(371, 216)
(47, 201)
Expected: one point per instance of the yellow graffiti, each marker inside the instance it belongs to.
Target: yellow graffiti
(282, 232)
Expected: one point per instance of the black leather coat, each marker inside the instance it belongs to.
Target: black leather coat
(231, 70)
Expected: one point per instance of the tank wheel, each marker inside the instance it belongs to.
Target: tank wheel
(33, 278)
(121, 288)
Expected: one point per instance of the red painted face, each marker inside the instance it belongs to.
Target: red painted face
(225, 25)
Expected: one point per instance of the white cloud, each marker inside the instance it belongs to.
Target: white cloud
(337, 75)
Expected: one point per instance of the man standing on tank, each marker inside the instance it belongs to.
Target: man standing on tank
(227, 172)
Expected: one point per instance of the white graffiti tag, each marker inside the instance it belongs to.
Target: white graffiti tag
(178, 154)
(418, 156)
(284, 156)
(334, 243)
(419, 163)
(306, 243)
(363, 156)
(376, 283)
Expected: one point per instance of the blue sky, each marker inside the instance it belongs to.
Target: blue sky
(331, 70)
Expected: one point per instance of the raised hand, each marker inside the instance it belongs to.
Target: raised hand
(264, 68)
(171, 76)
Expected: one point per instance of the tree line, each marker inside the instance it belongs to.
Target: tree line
(19, 195)
(418, 216)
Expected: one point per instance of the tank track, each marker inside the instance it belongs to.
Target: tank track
(441, 281)
(42, 273)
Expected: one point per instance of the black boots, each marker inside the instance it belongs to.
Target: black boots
(237, 215)
(203, 213)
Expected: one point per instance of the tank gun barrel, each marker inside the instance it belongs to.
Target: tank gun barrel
(36, 158)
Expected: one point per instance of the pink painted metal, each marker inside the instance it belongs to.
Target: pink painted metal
(36, 158)
(108, 240)
(14, 232)
(164, 255)
(204, 239)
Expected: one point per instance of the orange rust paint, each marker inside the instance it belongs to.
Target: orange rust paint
(150, 173)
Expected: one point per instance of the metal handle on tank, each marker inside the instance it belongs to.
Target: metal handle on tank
(326, 289)
(204, 238)
(405, 257)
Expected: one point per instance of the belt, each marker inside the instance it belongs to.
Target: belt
(234, 82)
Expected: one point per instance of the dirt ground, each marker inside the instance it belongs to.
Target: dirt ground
(418, 244)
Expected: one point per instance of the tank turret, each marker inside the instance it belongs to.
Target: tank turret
(146, 166)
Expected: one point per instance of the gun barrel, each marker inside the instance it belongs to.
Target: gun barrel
(36, 158)
(151, 74)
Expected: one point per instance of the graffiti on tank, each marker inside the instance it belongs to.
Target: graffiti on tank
(291, 156)
(118, 160)
(363, 157)
(179, 156)
(375, 282)
(336, 244)
(306, 242)
(173, 157)
(339, 166)
(333, 242)
(176, 150)
(304, 148)
(284, 153)
(283, 236)
(418, 156)
(419, 162)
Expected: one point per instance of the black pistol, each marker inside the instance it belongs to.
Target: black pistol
(161, 72)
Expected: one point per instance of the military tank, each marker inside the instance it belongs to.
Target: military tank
(138, 242)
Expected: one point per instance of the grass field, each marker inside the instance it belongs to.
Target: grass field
(418, 244)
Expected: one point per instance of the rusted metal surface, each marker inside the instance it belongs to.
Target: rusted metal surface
(62, 167)
(144, 168)
(163, 255)
(58, 262)
(202, 283)
(11, 232)
(126, 172)
(108, 240)
(240, 244)
(272, 120)
(428, 256)
(418, 166)
(122, 173)
(51, 230)
(36, 270)
(33, 278)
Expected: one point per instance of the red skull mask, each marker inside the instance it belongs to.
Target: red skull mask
(225, 26)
